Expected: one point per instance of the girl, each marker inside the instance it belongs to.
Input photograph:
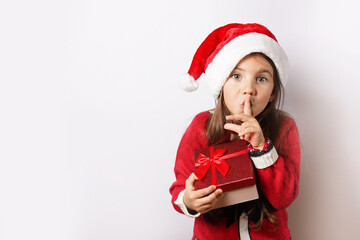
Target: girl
(246, 69)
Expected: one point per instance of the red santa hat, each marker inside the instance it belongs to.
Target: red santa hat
(222, 50)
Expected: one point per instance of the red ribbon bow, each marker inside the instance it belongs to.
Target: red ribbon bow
(215, 161)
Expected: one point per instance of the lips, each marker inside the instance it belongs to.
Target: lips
(243, 104)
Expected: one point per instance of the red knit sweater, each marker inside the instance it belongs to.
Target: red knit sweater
(279, 182)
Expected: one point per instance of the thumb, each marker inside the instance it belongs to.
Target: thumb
(190, 182)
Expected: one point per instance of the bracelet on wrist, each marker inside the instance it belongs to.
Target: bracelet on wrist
(253, 152)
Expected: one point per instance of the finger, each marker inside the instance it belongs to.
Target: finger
(244, 133)
(249, 130)
(204, 192)
(244, 125)
(241, 116)
(211, 198)
(252, 133)
(242, 136)
(251, 126)
(247, 106)
(247, 137)
(232, 127)
(190, 182)
(219, 194)
(210, 201)
(204, 209)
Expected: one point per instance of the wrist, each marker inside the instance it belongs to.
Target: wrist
(260, 146)
(259, 150)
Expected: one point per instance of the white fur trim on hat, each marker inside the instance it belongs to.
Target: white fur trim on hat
(229, 56)
(188, 83)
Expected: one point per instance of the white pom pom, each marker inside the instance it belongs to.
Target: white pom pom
(188, 83)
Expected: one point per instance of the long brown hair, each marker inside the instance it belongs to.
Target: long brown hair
(269, 120)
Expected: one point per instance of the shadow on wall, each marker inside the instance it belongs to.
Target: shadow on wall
(325, 207)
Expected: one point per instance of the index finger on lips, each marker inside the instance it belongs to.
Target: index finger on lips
(247, 106)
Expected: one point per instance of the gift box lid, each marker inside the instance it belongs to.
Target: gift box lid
(240, 171)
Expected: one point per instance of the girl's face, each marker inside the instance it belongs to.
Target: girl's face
(251, 78)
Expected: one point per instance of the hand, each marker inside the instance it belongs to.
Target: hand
(250, 129)
(202, 200)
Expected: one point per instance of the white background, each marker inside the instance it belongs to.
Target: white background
(91, 114)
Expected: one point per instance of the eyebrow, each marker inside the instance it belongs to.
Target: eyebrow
(260, 71)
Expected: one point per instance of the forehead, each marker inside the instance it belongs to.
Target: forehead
(256, 61)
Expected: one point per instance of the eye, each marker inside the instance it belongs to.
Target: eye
(236, 76)
(261, 79)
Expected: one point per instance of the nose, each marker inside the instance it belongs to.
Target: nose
(248, 88)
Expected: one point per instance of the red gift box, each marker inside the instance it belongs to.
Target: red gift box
(228, 167)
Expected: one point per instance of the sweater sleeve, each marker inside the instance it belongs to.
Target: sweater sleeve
(278, 172)
(193, 139)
